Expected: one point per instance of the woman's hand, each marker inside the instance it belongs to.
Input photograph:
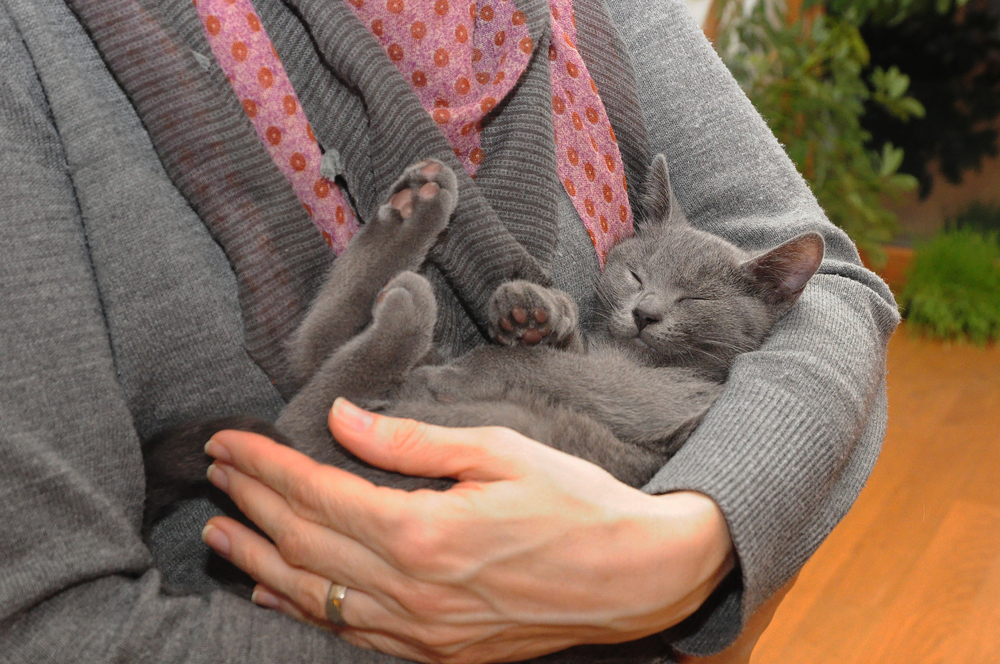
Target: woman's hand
(532, 551)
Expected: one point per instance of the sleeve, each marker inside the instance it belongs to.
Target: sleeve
(76, 582)
(788, 446)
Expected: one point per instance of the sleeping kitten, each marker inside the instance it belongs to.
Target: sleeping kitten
(677, 306)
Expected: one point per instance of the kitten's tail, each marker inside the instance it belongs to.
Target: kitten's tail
(176, 462)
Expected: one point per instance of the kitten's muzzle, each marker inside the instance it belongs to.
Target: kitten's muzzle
(644, 317)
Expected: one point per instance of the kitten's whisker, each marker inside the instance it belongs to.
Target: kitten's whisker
(715, 356)
(724, 344)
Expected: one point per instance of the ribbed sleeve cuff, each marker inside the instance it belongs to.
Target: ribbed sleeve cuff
(761, 456)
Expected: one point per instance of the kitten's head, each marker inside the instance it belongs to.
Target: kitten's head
(683, 297)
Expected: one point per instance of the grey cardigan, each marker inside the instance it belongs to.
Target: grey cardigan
(119, 313)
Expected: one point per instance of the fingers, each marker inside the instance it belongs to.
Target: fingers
(414, 448)
(278, 466)
(299, 543)
(305, 556)
(326, 495)
(280, 581)
(360, 636)
(355, 507)
(271, 599)
(262, 561)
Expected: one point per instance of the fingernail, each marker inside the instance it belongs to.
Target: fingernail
(218, 477)
(261, 597)
(217, 540)
(218, 451)
(351, 416)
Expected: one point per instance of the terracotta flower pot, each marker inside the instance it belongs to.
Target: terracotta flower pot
(898, 261)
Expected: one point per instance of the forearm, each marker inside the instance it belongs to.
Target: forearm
(791, 447)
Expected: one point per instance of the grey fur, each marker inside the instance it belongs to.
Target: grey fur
(387, 246)
(678, 305)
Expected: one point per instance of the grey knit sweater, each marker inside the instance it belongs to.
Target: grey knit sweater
(119, 314)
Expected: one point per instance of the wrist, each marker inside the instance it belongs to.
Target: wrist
(686, 552)
(698, 520)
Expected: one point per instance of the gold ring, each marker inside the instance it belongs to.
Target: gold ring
(335, 604)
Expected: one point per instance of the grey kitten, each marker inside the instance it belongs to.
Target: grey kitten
(677, 305)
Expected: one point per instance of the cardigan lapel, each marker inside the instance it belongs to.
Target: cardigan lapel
(504, 227)
(215, 159)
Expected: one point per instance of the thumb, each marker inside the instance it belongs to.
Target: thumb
(482, 454)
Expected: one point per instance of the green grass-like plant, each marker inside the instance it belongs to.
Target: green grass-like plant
(953, 287)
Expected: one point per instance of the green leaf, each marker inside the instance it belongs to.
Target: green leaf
(910, 107)
(809, 87)
(896, 82)
(892, 159)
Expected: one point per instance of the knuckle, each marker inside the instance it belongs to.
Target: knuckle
(455, 653)
(406, 435)
(304, 493)
(312, 599)
(419, 546)
(440, 642)
(417, 608)
(249, 560)
(310, 497)
(293, 545)
(451, 646)
(299, 494)
(503, 438)
(423, 602)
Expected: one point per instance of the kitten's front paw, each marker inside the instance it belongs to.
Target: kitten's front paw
(421, 202)
(523, 313)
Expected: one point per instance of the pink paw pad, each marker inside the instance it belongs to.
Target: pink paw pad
(533, 330)
(402, 202)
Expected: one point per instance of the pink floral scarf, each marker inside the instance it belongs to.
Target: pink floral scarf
(461, 59)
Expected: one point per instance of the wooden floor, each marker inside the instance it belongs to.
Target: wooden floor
(913, 573)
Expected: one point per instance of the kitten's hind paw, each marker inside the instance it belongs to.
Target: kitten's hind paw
(420, 204)
(407, 302)
(523, 313)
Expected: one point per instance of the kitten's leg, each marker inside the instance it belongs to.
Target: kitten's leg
(523, 313)
(367, 368)
(396, 240)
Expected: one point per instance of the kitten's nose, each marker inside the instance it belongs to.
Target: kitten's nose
(644, 317)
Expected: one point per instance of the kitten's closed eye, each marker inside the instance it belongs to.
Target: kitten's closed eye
(695, 298)
(635, 276)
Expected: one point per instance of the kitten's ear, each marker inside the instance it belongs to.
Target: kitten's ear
(786, 268)
(658, 202)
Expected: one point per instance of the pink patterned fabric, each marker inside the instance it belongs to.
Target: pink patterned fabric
(245, 53)
(590, 164)
(460, 63)
(459, 58)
